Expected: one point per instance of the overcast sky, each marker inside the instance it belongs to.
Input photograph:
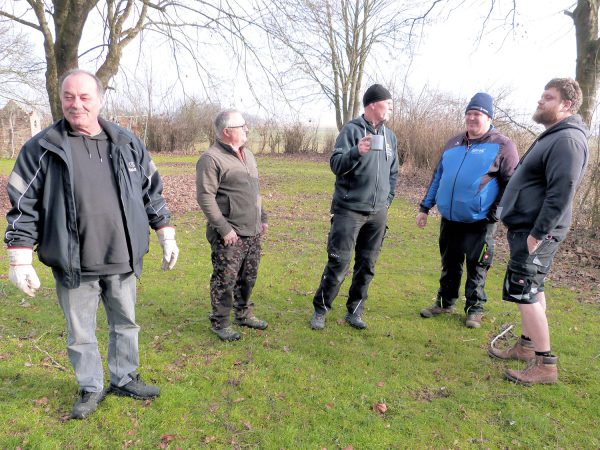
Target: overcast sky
(542, 47)
(449, 59)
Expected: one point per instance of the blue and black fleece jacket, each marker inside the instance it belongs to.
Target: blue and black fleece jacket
(471, 176)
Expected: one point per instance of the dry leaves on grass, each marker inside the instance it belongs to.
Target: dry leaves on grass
(380, 408)
(428, 394)
(165, 439)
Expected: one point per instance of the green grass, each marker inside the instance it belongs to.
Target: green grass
(290, 387)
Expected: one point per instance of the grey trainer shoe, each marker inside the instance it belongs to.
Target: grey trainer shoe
(436, 310)
(87, 404)
(136, 388)
(251, 322)
(226, 334)
(318, 321)
(354, 320)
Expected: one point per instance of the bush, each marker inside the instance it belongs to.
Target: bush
(184, 129)
(300, 138)
(328, 143)
(266, 136)
(423, 125)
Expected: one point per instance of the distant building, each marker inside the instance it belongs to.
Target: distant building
(18, 124)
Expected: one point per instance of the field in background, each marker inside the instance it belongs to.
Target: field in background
(291, 387)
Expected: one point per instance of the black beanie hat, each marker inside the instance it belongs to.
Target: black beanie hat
(376, 93)
(482, 102)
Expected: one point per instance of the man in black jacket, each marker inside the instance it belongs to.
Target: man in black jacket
(84, 191)
(365, 184)
(537, 209)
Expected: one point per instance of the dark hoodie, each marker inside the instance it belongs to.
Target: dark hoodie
(363, 183)
(539, 196)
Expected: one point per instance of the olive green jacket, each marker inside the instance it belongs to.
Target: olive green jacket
(227, 191)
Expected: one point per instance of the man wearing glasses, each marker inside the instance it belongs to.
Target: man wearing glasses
(227, 191)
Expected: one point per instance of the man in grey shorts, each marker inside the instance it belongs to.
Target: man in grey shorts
(537, 209)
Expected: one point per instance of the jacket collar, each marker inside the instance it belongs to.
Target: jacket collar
(467, 139)
(227, 147)
(58, 133)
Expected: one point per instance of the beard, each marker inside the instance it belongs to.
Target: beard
(545, 117)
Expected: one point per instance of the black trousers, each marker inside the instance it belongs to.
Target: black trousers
(473, 242)
(351, 231)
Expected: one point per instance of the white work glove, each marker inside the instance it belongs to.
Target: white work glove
(21, 272)
(166, 238)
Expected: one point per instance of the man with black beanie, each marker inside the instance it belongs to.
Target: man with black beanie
(365, 164)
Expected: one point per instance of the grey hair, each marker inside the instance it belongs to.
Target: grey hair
(68, 73)
(222, 120)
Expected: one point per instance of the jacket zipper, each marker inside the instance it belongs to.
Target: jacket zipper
(51, 147)
(456, 178)
(376, 182)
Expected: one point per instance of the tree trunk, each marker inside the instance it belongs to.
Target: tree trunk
(585, 18)
(69, 17)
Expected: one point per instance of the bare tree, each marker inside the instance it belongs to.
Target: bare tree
(330, 41)
(62, 24)
(19, 71)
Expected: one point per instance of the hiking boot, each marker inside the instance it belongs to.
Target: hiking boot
(354, 320)
(474, 320)
(318, 321)
(226, 334)
(436, 310)
(521, 351)
(136, 388)
(540, 370)
(87, 404)
(251, 322)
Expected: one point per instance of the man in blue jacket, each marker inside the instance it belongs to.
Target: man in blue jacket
(467, 185)
(84, 192)
(365, 184)
(537, 208)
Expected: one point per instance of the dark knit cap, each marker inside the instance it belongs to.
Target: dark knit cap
(482, 102)
(376, 93)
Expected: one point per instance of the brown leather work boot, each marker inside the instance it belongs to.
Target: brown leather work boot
(541, 370)
(522, 351)
(474, 320)
(436, 310)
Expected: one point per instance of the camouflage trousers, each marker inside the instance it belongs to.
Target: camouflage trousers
(235, 268)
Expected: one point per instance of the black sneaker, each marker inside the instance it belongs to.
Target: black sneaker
(136, 388)
(354, 320)
(226, 334)
(87, 404)
(252, 322)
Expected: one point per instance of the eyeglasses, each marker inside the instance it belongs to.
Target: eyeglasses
(239, 126)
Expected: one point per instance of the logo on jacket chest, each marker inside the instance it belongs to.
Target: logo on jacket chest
(131, 166)
(388, 150)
